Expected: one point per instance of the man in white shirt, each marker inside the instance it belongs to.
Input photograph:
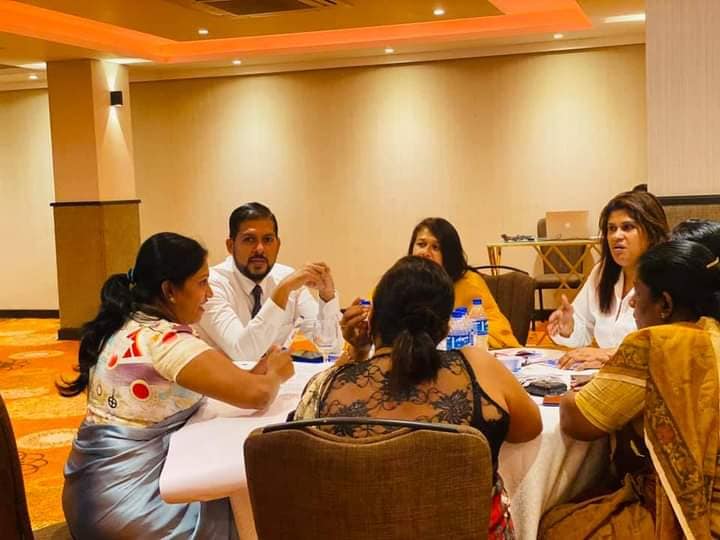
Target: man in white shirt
(256, 302)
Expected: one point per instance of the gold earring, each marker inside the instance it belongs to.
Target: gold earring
(172, 299)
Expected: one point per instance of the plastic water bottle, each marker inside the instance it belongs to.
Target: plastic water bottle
(467, 326)
(459, 334)
(480, 324)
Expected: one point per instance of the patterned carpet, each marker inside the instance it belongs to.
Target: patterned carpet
(31, 360)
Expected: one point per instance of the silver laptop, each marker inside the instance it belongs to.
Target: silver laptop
(567, 225)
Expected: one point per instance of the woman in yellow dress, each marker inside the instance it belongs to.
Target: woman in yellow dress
(436, 239)
(658, 398)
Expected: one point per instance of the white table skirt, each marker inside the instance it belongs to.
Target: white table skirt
(205, 460)
(546, 471)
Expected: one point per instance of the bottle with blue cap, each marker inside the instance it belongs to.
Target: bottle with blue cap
(480, 324)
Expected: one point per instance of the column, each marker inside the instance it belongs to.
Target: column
(97, 225)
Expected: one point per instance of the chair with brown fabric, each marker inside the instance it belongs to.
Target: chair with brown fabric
(514, 293)
(14, 517)
(418, 481)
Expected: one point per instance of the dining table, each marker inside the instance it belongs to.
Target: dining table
(205, 459)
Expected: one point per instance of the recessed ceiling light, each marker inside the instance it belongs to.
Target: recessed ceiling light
(632, 17)
(438, 12)
(33, 77)
(237, 62)
(389, 50)
(203, 31)
(558, 36)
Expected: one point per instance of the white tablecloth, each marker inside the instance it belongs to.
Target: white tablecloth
(205, 460)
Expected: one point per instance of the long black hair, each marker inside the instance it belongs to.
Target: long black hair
(649, 215)
(411, 309)
(702, 231)
(454, 257)
(688, 271)
(163, 257)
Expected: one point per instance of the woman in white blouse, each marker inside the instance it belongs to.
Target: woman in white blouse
(144, 373)
(630, 223)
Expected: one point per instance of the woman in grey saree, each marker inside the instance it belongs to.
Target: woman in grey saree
(112, 490)
(145, 373)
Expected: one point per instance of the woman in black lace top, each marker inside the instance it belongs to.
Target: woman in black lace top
(407, 378)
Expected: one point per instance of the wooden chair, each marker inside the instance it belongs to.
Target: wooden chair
(549, 280)
(514, 292)
(418, 481)
(14, 517)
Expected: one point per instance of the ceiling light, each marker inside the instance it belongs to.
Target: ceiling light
(237, 62)
(203, 31)
(389, 50)
(632, 17)
(558, 36)
(438, 12)
(33, 77)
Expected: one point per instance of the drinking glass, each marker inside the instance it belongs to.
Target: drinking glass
(326, 336)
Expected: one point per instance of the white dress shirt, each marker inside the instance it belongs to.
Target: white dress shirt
(608, 329)
(227, 324)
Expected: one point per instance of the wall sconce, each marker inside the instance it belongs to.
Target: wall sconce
(116, 98)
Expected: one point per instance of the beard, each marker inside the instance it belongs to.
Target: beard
(245, 269)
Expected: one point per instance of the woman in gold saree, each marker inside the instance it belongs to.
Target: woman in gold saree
(658, 398)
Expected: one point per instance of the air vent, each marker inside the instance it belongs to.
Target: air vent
(241, 8)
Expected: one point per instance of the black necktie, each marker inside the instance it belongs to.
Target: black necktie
(257, 294)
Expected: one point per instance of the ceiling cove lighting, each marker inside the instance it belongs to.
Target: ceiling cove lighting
(389, 50)
(632, 17)
(438, 12)
(236, 62)
(558, 36)
(203, 31)
(36, 65)
(128, 61)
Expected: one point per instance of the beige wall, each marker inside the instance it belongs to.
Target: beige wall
(351, 159)
(27, 272)
(683, 66)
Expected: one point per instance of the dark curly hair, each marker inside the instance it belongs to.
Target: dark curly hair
(702, 231)
(411, 309)
(688, 271)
